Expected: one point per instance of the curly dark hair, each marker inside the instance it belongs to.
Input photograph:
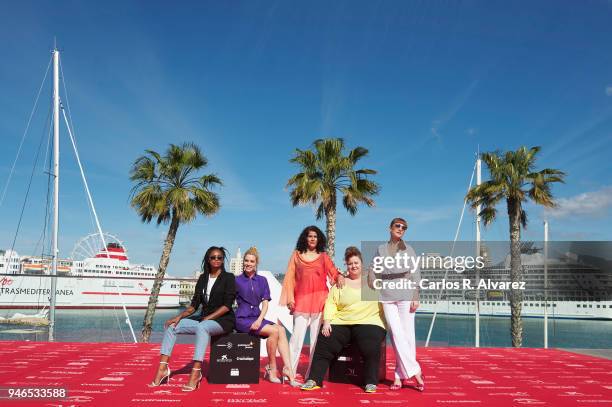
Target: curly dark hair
(302, 242)
(205, 267)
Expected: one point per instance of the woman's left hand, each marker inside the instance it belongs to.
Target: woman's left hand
(255, 325)
(340, 281)
(414, 305)
(326, 329)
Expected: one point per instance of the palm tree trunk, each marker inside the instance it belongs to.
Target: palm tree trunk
(516, 296)
(161, 271)
(330, 224)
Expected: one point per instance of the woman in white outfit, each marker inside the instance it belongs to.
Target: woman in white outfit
(400, 306)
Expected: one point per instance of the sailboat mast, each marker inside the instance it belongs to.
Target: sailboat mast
(477, 316)
(545, 284)
(54, 253)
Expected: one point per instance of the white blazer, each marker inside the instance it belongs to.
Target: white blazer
(404, 273)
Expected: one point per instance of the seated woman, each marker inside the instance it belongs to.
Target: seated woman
(215, 291)
(348, 319)
(251, 291)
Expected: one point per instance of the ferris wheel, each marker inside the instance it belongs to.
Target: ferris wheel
(90, 245)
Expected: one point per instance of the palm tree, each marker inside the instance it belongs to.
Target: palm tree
(168, 188)
(514, 178)
(327, 172)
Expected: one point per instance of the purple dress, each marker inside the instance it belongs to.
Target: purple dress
(250, 292)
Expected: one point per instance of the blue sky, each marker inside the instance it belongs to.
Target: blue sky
(420, 84)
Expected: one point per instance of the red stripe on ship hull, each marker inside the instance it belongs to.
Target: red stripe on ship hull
(87, 306)
(104, 293)
(111, 256)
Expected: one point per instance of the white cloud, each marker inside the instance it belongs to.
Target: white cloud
(569, 141)
(594, 203)
(455, 107)
(609, 90)
(435, 126)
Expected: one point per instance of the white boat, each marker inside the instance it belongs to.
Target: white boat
(105, 280)
(572, 290)
(531, 309)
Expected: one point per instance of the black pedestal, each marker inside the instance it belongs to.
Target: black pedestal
(348, 366)
(234, 358)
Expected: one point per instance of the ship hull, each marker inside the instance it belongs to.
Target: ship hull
(601, 310)
(28, 292)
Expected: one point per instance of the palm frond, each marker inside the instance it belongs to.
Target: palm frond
(488, 214)
(523, 218)
(366, 171)
(320, 212)
(357, 153)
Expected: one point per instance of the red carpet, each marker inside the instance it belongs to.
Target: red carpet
(111, 374)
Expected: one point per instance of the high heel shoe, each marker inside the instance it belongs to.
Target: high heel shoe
(287, 377)
(420, 387)
(167, 376)
(268, 374)
(395, 386)
(187, 388)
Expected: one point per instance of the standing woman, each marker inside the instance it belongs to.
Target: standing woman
(305, 289)
(215, 291)
(252, 290)
(400, 307)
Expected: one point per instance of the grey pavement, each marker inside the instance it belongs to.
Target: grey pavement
(602, 353)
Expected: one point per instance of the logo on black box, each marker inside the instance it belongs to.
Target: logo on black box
(228, 345)
(224, 359)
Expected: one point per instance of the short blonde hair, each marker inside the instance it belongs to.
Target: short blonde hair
(253, 251)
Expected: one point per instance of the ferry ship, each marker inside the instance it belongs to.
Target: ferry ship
(105, 280)
(576, 290)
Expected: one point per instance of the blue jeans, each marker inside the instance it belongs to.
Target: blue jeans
(203, 330)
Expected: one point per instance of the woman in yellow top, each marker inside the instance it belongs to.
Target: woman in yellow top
(348, 319)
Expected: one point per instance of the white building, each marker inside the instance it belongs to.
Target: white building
(236, 264)
(187, 287)
(10, 262)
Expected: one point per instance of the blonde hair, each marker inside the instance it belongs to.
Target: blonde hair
(253, 251)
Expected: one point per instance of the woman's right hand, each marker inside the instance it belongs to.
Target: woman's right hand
(326, 330)
(172, 321)
(291, 306)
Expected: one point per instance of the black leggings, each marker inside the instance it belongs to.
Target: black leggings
(368, 339)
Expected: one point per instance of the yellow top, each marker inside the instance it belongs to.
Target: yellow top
(344, 307)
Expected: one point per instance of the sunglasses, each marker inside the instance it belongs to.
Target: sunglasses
(400, 226)
(215, 258)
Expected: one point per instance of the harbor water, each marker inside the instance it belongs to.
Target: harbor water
(109, 325)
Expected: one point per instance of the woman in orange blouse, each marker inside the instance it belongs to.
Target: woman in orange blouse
(305, 289)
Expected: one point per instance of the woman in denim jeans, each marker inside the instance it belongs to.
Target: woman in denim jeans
(215, 291)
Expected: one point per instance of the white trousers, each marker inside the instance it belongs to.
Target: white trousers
(400, 322)
(301, 322)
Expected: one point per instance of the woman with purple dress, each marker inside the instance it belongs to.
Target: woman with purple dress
(252, 290)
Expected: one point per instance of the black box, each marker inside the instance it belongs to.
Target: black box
(234, 358)
(348, 366)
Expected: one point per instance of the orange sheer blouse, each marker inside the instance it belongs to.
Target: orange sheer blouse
(305, 282)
